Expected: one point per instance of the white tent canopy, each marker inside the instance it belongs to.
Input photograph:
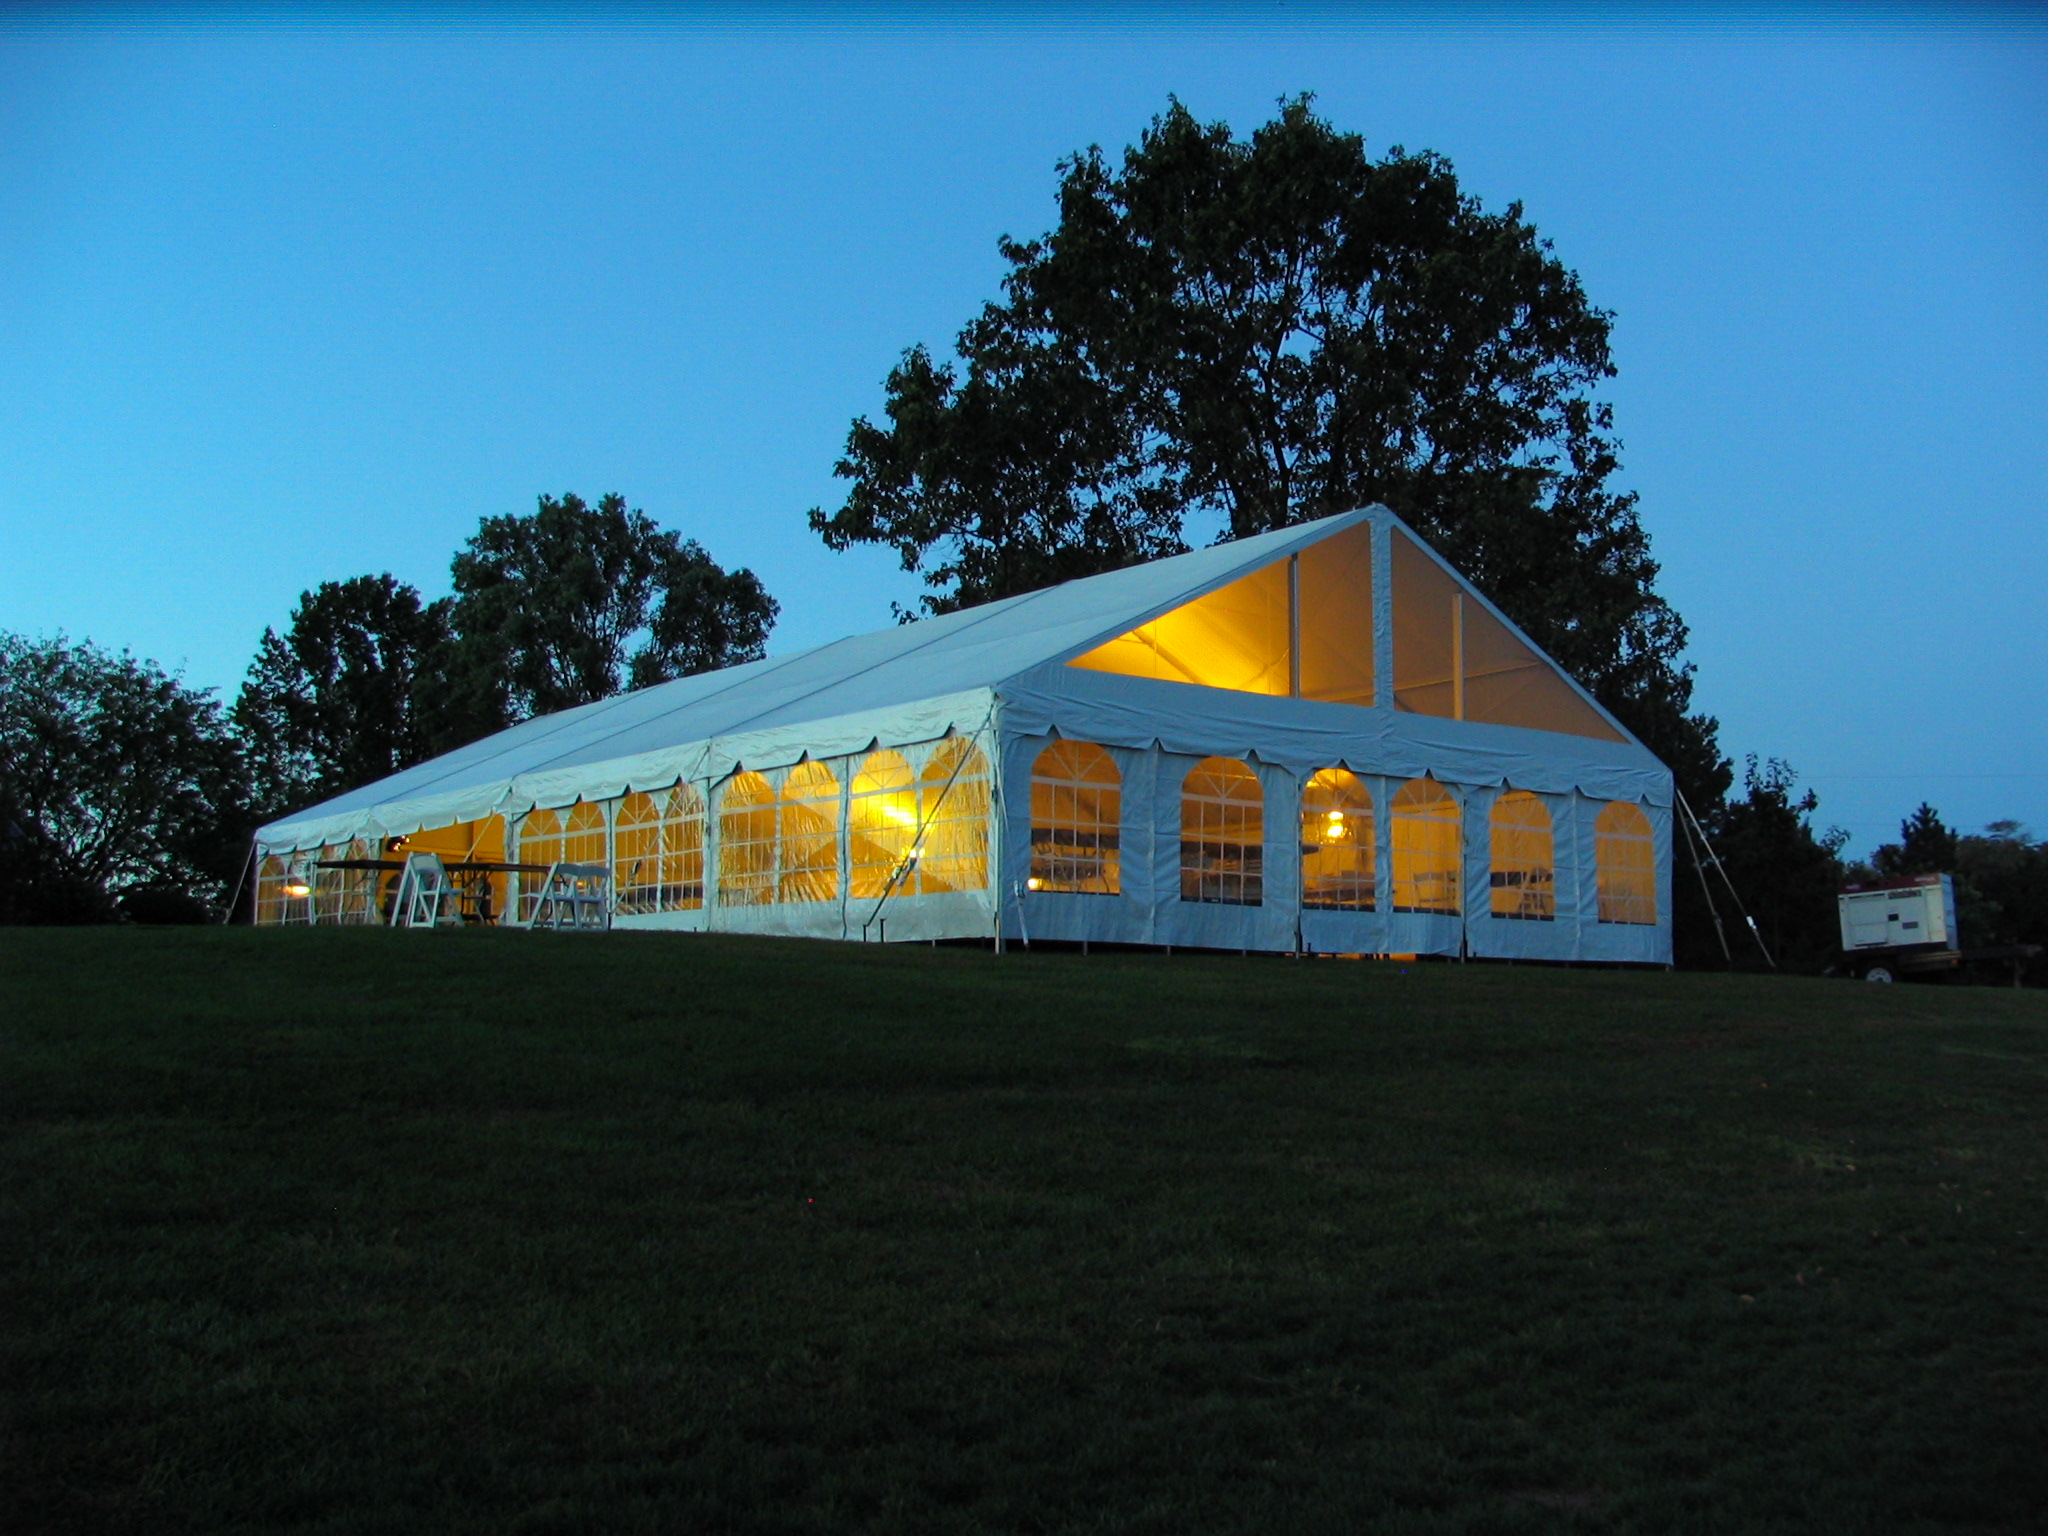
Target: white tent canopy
(1339, 644)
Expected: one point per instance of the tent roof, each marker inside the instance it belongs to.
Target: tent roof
(853, 680)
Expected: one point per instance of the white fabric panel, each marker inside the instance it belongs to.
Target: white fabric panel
(1219, 925)
(1282, 920)
(1124, 918)
(404, 803)
(1420, 933)
(1303, 735)
(1345, 933)
(1634, 943)
(1151, 866)
(1585, 899)
(1513, 938)
(1149, 909)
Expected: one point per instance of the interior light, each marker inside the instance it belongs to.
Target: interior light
(1337, 816)
(1034, 883)
(297, 887)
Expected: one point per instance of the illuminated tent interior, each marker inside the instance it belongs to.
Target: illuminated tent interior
(1321, 739)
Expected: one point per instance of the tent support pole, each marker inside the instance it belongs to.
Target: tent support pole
(1735, 896)
(1705, 890)
(228, 916)
(1457, 655)
(1294, 626)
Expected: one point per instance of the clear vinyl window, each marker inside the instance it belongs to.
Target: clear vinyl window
(1625, 864)
(1076, 820)
(1523, 876)
(1339, 848)
(746, 841)
(881, 824)
(953, 807)
(658, 851)
(1222, 834)
(810, 834)
(1428, 848)
(540, 838)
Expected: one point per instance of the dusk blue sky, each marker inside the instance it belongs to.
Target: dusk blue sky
(287, 304)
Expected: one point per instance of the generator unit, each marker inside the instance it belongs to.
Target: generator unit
(1899, 925)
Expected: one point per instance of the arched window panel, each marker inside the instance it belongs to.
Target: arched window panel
(746, 841)
(330, 886)
(272, 904)
(1523, 873)
(682, 849)
(1455, 660)
(1428, 849)
(344, 895)
(882, 824)
(636, 849)
(540, 838)
(1339, 846)
(809, 853)
(1076, 820)
(658, 851)
(1234, 637)
(1222, 834)
(953, 810)
(583, 833)
(1625, 864)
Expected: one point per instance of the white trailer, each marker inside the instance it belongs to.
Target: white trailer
(1893, 928)
(1889, 926)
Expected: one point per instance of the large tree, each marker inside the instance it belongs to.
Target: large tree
(1246, 333)
(334, 701)
(114, 777)
(574, 603)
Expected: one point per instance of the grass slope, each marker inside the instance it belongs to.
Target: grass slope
(353, 1231)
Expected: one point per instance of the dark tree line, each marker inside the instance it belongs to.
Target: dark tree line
(124, 791)
(2001, 878)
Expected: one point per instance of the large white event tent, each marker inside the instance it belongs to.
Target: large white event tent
(1319, 739)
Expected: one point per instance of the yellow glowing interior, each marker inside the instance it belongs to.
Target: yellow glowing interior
(1302, 627)
(1625, 864)
(1523, 875)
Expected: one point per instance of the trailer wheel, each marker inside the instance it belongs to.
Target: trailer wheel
(1878, 973)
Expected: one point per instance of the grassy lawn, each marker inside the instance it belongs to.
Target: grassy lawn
(367, 1231)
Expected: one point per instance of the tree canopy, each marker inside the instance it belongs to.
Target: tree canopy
(334, 702)
(1925, 847)
(1247, 333)
(574, 603)
(1785, 870)
(114, 777)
